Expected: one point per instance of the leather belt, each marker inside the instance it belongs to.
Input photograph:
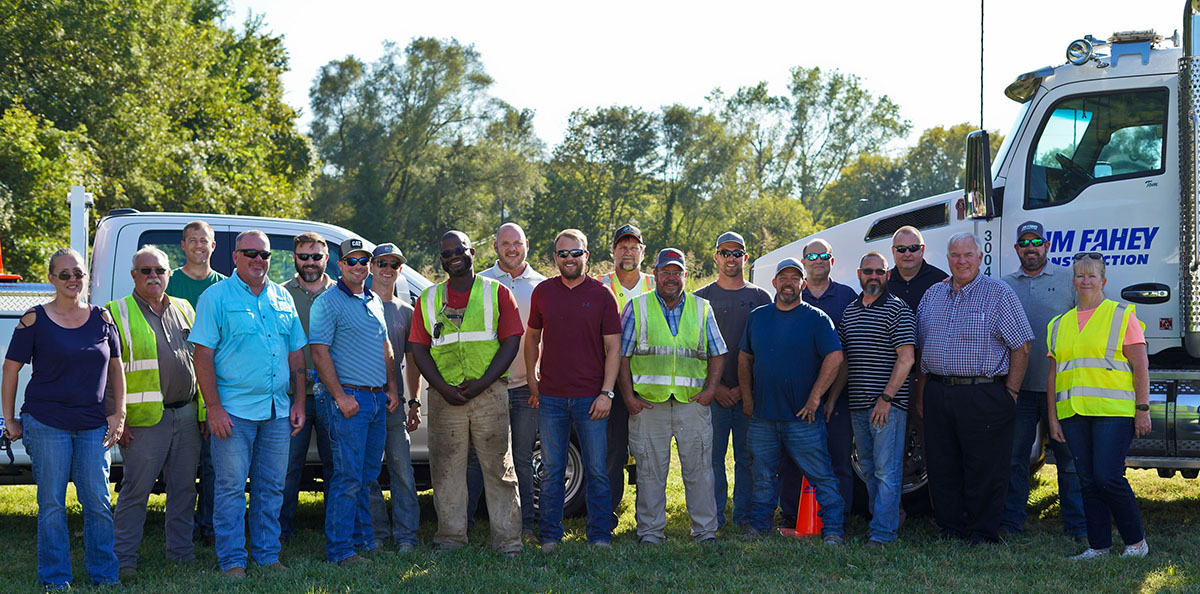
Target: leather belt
(957, 380)
(179, 404)
(367, 388)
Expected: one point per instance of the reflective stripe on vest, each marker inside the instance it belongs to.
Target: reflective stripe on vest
(1092, 375)
(663, 365)
(139, 356)
(623, 295)
(463, 352)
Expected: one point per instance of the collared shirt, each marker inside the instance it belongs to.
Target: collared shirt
(176, 375)
(1044, 296)
(304, 301)
(833, 301)
(716, 344)
(354, 328)
(870, 335)
(969, 332)
(911, 291)
(252, 337)
(522, 289)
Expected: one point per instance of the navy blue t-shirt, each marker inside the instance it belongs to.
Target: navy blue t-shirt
(788, 347)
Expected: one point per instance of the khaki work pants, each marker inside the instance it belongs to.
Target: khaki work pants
(650, 433)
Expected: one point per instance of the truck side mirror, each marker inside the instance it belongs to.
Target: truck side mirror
(978, 191)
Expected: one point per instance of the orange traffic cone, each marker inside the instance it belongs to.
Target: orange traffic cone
(808, 522)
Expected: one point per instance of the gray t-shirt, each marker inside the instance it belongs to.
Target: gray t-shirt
(731, 309)
(1044, 296)
(397, 314)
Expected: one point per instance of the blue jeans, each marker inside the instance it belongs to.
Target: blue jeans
(523, 421)
(314, 422)
(1031, 409)
(726, 421)
(57, 456)
(556, 416)
(805, 443)
(881, 457)
(256, 450)
(838, 436)
(406, 512)
(1100, 445)
(204, 492)
(357, 447)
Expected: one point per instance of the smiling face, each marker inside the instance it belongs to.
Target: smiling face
(570, 267)
(198, 245)
(627, 254)
(668, 281)
(150, 286)
(73, 287)
(354, 275)
(511, 247)
(310, 270)
(461, 258)
(1033, 258)
(964, 258)
(788, 285)
(252, 271)
(385, 276)
(730, 266)
(1089, 280)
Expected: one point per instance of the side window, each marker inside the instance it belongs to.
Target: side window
(283, 266)
(1094, 139)
(169, 242)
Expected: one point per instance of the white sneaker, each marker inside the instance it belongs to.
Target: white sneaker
(1140, 549)
(1089, 554)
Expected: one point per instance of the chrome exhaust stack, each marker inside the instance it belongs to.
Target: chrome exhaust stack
(1189, 180)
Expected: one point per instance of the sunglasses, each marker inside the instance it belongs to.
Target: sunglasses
(731, 253)
(313, 257)
(908, 248)
(815, 257)
(873, 271)
(363, 261)
(252, 254)
(1091, 255)
(394, 265)
(146, 270)
(1035, 242)
(575, 253)
(66, 275)
(458, 251)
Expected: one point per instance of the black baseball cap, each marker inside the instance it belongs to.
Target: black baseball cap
(627, 231)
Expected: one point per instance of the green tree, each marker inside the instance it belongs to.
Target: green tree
(869, 184)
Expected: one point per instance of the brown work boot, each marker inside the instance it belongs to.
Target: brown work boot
(235, 573)
(277, 566)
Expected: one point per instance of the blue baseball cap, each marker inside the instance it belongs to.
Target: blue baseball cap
(669, 256)
(786, 263)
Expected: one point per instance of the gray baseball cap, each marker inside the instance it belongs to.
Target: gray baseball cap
(1033, 227)
(786, 263)
(389, 249)
(731, 236)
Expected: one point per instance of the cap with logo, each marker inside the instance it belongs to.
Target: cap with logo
(731, 237)
(786, 263)
(669, 256)
(356, 244)
(389, 249)
(627, 231)
(1033, 227)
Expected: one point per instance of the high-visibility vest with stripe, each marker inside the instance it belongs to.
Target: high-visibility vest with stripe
(1092, 376)
(623, 295)
(463, 351)
(139, 356)
(663, 365)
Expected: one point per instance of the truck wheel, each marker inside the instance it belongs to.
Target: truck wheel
(574, 503)
(914, 478)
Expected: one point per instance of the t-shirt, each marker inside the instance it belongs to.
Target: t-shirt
(510, 316)
(911, 291)
(1043, 297)
(732, 309)
(788, 348)
(70, 369)
(398, 314)
(573, 324)
(185, 287)
(303, 300)
(870, 335)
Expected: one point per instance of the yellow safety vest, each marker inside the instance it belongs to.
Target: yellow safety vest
(623, 295)
(663, 365)
(463, 352)
(1092, 377)
(139, 356)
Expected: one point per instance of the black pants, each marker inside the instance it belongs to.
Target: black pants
(618, 452)
(839, 438)
(968, 443)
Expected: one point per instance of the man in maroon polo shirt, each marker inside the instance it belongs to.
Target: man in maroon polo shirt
(574, 317)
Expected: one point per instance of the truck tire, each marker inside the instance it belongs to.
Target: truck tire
(574, 502)
(914, 479)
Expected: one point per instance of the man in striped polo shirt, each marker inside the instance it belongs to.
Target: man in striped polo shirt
(878, 334)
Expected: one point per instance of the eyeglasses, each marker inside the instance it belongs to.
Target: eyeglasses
(815, 257)
(670, 273)
(458, 251)
(146, 270)
(731, 253)
(394, 265)
(873, 271)
(916, 247)
(252, 254)
(1091, 255)
(1035, 242)
(314, 257)
(575, 253)
(363, 261)
(66, 275)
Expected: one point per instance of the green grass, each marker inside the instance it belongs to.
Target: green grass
(919, 562)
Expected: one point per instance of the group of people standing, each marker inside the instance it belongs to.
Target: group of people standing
(231, 376)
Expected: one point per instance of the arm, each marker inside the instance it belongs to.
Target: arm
(746, 381)
(533, 350)
(116, 421)
(1052, 424)
(632, 402)
(424, 360)
(504, 357)
(904, 361)
(1017, 361)
(389, 363)
(296, 367)
(612, 365)
(712, 379)
(412, 383)
(8, 394)
(1136, 353)
(835, 390)
(219, 423)
(328, 374)
(829, 370)
(918, 399)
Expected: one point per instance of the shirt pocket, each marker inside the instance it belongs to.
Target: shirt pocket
(243, 321)
(282, 312)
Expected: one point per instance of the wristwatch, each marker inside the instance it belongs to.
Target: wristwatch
(885, 396)
(414, 402)
(609, 393)
(1142, 407)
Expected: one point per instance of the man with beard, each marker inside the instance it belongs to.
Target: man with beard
(188, 282)
(878, 334)
(512, 271)
(625, 282)
(732, 299)
(671, 364)
(789, 358)
(1045, 291)
(575, 318)
(309, 255)
(161, 432)
(354, 358)
(464, 338)
(248, 342)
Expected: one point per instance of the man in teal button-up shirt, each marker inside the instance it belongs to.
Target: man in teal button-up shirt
(248, 341)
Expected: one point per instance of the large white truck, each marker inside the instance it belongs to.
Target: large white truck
(1105, 153)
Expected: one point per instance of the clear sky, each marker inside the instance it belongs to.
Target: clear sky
(555, 57)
